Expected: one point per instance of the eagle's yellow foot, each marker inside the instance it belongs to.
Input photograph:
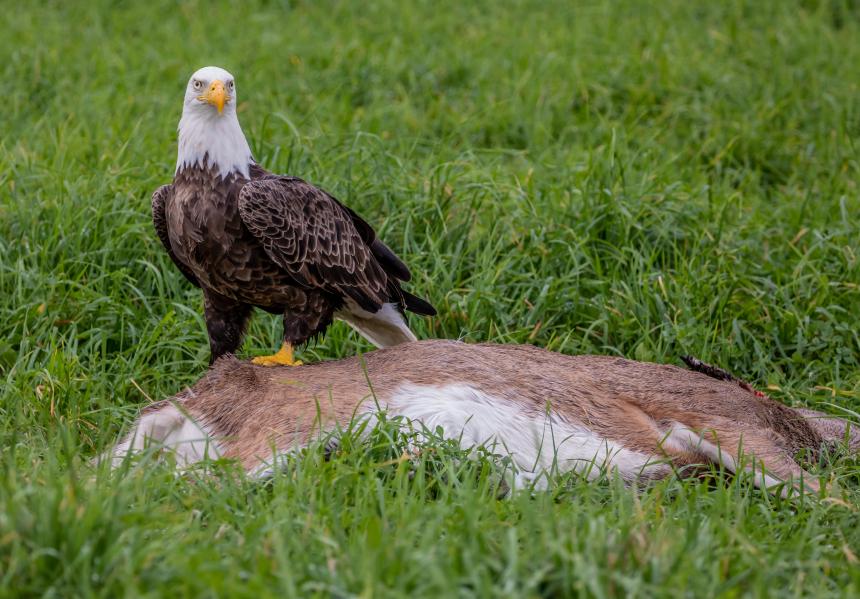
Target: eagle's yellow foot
(284, 357)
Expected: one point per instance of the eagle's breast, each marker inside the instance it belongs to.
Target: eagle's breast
(205, 227)
(207, 234)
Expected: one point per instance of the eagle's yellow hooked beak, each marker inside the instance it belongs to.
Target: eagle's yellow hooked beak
(217, 95)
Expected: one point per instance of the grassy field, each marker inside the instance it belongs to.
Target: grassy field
(629, 178)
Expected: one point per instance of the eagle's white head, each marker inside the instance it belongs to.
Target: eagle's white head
(209, 131)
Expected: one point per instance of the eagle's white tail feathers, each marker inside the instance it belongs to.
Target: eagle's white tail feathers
(385, 328)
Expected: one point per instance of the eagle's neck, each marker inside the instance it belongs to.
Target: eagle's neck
(209, 139)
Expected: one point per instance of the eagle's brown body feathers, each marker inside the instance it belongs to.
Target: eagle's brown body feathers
(276, 243)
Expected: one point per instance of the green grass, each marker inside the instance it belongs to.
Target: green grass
(629, 178)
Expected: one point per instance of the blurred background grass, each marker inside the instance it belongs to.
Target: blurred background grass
(613, 177)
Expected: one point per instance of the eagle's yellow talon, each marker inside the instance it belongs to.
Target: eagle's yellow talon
(284, 357)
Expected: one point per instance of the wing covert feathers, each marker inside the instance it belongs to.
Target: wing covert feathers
(319, 241)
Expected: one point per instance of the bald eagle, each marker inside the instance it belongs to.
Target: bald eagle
(249, 238)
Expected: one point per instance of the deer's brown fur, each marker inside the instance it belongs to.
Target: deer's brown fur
(646, 408)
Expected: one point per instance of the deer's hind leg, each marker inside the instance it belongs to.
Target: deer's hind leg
(749, 451)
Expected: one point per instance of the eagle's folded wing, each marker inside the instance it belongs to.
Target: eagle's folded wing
(316, 239)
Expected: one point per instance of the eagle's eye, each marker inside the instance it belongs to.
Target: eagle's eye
(198, 84)
(230, 85)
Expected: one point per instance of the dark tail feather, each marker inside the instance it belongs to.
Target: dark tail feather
(389, 261)
(417, 305)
